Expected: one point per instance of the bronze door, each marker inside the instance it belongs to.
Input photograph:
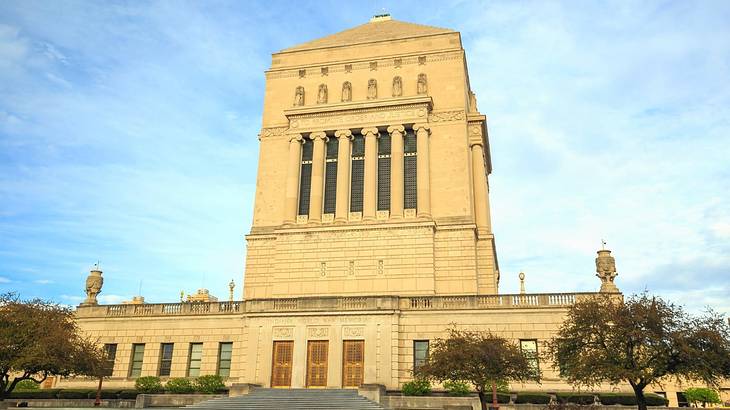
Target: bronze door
(317, 363)
(281, 364)
(353, 361)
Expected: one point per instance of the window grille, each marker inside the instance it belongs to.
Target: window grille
(330, 186)
(409, 143)
(225, 352)
(165, 358)
(420, 353)
(410, 199)
(384, 172)
(110, 354)
(529, 350)
(357, 177)
(195, 357)
(135, 370)
(305, 177)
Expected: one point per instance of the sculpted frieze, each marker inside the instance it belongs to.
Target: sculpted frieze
(354, 118)
(457, 115)
(318, 332)
(283, 332)
(353, 331)
(272, 132)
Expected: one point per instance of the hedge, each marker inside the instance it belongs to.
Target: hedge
(34, 394)
(629, 399)
(576, 398)
(75, 393)
(655, 400)
(105, 394)
(532, 398)
(128, 394)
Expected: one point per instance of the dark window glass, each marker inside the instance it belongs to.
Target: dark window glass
(305, 185)
(332, 145)
(384, 184)
(165, 358)
(307, 150)
(420, 353)
(409, 180)
(356, 184)
(135, 368)
(358, 145)
(225, 353)
(409, 143)
(195, 358)
(384, 144)
(110, 353)
(330, 187)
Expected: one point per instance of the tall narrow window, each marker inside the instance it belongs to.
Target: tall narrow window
(110, 354)
(166, 358)
(330, 176)
(357, 179)
(305, 180)
(384, 172)
(135, 369)
(409, 171)
(420, 353)
(529, 350)
(225, 352)
(196, 357)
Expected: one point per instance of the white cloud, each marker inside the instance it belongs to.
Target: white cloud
(5, 280)
(43, 281)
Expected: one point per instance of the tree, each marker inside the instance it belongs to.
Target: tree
(40, 339)
(704, 395)
(480, 358)
(639, 341)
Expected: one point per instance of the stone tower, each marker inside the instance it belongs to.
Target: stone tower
(373, 170)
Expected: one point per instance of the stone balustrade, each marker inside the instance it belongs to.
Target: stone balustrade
(339, 304)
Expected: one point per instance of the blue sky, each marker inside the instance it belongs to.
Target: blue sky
(128, 135)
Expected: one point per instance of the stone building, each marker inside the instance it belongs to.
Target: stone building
(371, 232)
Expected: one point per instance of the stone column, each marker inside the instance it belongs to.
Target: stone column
(423, 167)
(481, 195)
(369, 204)
(292, 179)
(342, 207)
(396, 170)
(315, 199)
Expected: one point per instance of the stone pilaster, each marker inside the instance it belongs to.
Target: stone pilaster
(315, 199)
(396, 171)
(481, 195)
(342, 208)
(423, 168)
(292, 179)
(370, 174)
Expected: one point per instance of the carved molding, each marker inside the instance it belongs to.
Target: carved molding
(318, 332)
(360, 117)
(343, 134)
(349, 332)
(396, 128)
(272, 132)
(457, 115)
(282, 332)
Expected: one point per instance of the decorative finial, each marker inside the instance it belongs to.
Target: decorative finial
(603, 244)
(182, 295)
(94, 282)
(606, 270)
(231, 285)
(522, 283)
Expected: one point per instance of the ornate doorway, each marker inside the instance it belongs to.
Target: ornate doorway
(317, 363)
(353, 361)
(282, 364)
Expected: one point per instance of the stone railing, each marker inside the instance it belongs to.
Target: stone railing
(339, 304)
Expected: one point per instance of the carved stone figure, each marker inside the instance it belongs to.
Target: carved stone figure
(606, 270)
(346, 91)
(372, 89)
(94, 282)
(322, 94)
(299, 96)
(472, 102)
(397, 86)
(422, 86)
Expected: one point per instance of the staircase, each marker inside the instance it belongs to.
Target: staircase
(292, 399)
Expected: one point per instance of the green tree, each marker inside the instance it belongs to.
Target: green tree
(39, 339)
(480, 358)
(640, 341)
(702, 395)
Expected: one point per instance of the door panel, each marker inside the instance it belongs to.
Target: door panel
(353, 361)
(317, 363)
(282, 364)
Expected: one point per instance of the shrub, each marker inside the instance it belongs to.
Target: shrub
(697, 395)
(209, 384)
(655, 400)
(75, 393)
(532, 398)
(457, 388)
(105, 394)
(34, 394)
(625, 399)
(179, 385)
(576, 398)
(128, 394)
(417, 387)
(148, 384)
(503, 398)
(27, 384)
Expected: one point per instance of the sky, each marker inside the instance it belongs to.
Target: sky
(128, 135)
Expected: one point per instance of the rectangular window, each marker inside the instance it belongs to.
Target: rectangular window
(110, 354)
(196, 357)
(165, 358)
(225, 353)
(305, 178)
(330, 176)
(135, 369)
(410, 197)
(384, 172)
(420, 353)
(529, 350)
(357, 178)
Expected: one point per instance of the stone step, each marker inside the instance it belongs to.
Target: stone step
(294, 399)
